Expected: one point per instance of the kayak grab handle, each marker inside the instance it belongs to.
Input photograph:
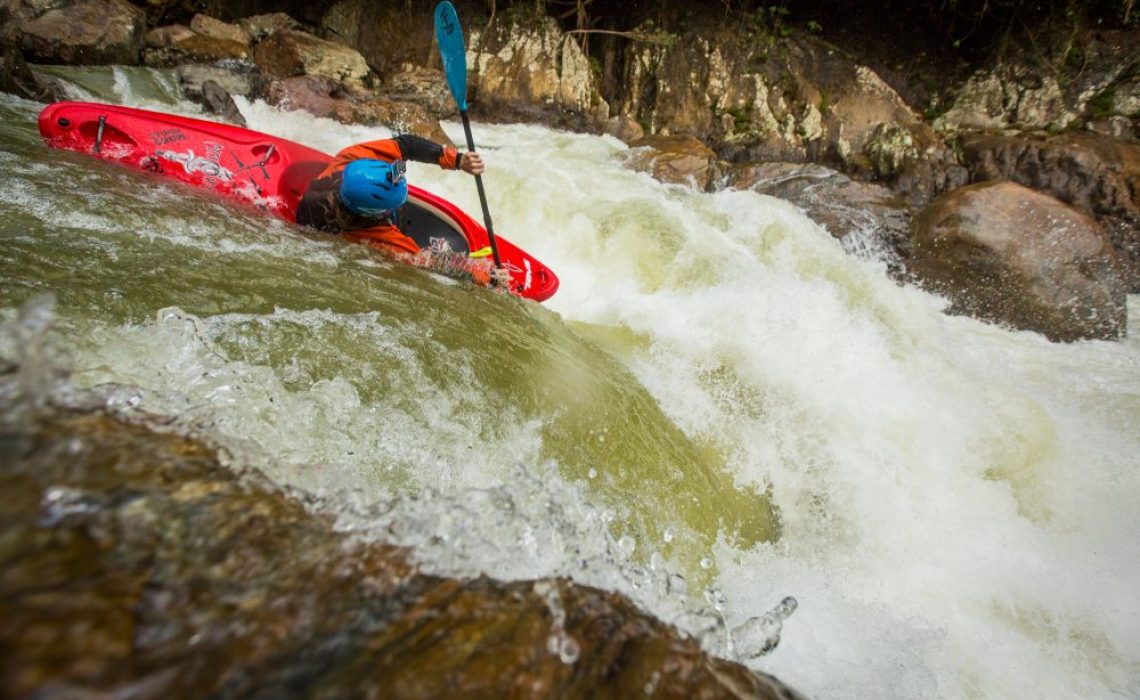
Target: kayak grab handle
(99, 134)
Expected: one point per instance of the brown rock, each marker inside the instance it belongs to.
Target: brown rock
(403, 117)
(625, 128)
(16, 77)
(1006, 254)
(165, 37)
(200, 47)
(137, 566)
(261, 26)
(426, 87)
(325, 97)
(318, 95)
(88, 32)
(674, 159)
(290, 53)
(217, 29)
(236, 78)
(1098, 174)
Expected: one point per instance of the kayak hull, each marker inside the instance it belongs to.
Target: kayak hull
(264, 171)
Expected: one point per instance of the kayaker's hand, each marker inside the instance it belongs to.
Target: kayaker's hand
(501, 278)
(472, 163)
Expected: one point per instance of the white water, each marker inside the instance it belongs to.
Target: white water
(958, 501)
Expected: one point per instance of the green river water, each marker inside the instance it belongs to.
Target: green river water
(719, 408)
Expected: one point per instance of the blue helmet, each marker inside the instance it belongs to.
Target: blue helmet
(373, 187)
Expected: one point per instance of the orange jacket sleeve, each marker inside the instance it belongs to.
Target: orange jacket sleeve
(403, 147)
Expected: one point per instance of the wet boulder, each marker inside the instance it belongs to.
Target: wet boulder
(1009, 255)
(235, 77)
(87, 32)
(1100, 175)
(135, 565)
(868, 218)
(674, 159)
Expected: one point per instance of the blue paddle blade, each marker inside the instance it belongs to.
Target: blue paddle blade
(450, 37)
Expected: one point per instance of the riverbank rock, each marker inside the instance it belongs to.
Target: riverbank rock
(868, 218)
(235, 77)
(1029, 93)
(1006, 254)
(624, 128)
(1099, 175)
(324, 97)
(206, 25)
(87, 32)
(260, 26)
(290, 53)
(137, 566)
(674, 159)
(426, 87)
(534, 73)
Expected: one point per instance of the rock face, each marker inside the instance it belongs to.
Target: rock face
(134, 565)
(1097, 174)
(1023, 95)
(792, 100)
(290, 53)
(1004, 253)
(532, 74)
(86, 32)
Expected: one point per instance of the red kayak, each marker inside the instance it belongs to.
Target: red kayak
(269, 172)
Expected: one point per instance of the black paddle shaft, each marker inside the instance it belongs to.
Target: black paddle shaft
(482, 194)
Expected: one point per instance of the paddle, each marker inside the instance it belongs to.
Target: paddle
(454, 54)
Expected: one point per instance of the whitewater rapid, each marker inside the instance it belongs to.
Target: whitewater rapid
(957, 502)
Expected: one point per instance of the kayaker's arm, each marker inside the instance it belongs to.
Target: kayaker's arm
(424, 150)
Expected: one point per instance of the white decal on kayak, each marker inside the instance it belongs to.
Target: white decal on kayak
(207, 164)
(529, 272)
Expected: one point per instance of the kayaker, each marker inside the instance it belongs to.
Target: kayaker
(359, 194)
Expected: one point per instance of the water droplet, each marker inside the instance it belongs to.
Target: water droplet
(593, 473)
(568, 650)
(760, 635)
(627, 544)
(668, 535)
(706, 563)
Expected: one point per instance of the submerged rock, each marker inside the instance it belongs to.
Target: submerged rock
(1006, 254)
(133, 564)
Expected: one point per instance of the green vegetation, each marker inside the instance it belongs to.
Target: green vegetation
(1103, 104)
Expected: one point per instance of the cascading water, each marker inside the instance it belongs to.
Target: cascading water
(719, 409)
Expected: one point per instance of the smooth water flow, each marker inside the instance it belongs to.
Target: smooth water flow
(719, 409)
